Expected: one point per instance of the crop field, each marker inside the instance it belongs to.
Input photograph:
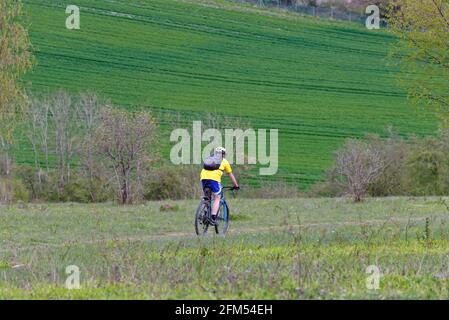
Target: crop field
(316, 81)
(278, 249)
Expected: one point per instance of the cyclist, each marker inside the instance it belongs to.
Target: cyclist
(212, 179)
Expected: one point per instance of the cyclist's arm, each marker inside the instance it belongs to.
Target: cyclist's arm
(234, 181)
(228, 170)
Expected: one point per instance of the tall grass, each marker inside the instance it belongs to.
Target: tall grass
(283, 249)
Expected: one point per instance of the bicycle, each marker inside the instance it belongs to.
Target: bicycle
(203, 216)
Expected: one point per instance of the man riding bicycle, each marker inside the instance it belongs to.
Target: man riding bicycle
(211, 177)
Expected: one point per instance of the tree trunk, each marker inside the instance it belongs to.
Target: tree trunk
(7, 164)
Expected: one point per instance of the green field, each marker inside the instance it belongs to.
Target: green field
(318, 82)
(279, 249)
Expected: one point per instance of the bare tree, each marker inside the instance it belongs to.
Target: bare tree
(124, 140)
(88, 109)
(37, 130)
(65, 123)
(357, 164)
(5, 159)
(32, 115)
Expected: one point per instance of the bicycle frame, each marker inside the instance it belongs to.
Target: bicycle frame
(222, 202)
(208, 200)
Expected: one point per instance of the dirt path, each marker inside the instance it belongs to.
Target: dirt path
(191, 235)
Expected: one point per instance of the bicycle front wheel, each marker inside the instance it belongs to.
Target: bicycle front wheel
(222, 221)
(201, 222)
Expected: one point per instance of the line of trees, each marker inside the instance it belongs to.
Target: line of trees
(86, 150)
(98, 149)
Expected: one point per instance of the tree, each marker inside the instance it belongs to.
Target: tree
(123, 140)
(64, 118)
(423, 30)
(89, 106)
(37, 130)
(357, 164)
(15, 60)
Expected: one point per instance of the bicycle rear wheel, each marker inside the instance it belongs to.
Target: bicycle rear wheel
(201, 222)
(222, 221)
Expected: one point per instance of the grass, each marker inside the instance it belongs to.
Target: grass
(276, 249)
(316, 81)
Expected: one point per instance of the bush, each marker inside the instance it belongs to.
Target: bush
(394, 151)
(426, 172)
(75, 192)
(164, 183)
(173, 182)
(44, 186)
(99, 190)
(12, 191)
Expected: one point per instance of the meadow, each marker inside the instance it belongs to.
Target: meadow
(317, 81)
(276, 249)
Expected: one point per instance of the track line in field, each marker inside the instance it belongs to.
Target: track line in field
(187, 235)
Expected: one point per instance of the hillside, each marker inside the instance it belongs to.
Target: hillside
(318, 82)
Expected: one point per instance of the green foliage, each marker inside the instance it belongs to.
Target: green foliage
(15, 60)
(75, 192)
(394, 151)
(44, 186)
(423, 29)
(166, 183)
(41, 185)
(12, 190)
(426, 172)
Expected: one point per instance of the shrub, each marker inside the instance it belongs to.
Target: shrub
(12, 191)
(44, 186)
(164, 183)
(426, 172)
(394, 150)
(173, 182)
(75, 192)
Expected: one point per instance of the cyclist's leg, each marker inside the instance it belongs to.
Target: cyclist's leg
(216, 188)
(216, 204)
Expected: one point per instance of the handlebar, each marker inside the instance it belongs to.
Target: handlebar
(231, 188)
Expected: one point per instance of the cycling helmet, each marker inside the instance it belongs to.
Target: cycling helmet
(220, 150)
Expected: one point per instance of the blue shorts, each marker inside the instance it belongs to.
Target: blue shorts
(215, 186)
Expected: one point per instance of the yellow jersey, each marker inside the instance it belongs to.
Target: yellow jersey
(216, 174)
